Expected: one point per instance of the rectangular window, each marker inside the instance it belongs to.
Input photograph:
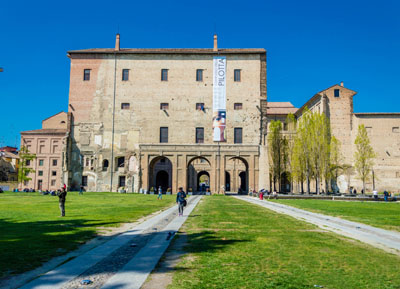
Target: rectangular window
(84, 181)
(164, 106)
(40, 173)
(53, 182)
(41, 162)
(86, 74)
(237, 76)
(164, 74)
(53, 173)
(125, 74)
(336, 92)
(55, 148)
(121, 181)
(199, 135)
(28, 163)
(395, 129)
(163, 134)
(87, 162)
(200, 106)
(125, 105)
(199, 75)
(54, 163)
(238, 135)
(237, 106)
(285, 127)
(41, 149)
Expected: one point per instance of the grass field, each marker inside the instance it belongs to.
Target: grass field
(233, 244)
(378, 214)
(32, 231)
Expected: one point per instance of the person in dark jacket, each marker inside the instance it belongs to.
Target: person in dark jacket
(385, 195)
(181, 200)
(62, 195)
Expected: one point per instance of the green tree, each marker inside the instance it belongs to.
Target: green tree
(364, 155)
(276, 152)
(24, 169)
(336, 160)
(290, 137)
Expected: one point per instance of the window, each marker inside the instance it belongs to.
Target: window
(164, 106)
(84, 181)
(41, 149)
(238, 135)
(199, 75)
(54, 162)
(395, 129)
(41, 162)
(86, 74)
(121, 181)
(200, 106)
(237, 106)
(87, 162)
(125, 105)
(336, 92)
(164, 74)
(105, 165)
(236, 75)
(54, 173)
(55, 148)
(125, 74)
(120, 162)
(27, 162)
(53, 182)
(40, 173)
(163, 134)
(199, 135)
(368, 129)
(285, 127)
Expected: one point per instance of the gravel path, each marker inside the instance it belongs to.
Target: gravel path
(380, 238)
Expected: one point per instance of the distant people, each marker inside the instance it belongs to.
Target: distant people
(362, 191)
(375, 194)
(62, 195)
(159, 197)
(181, 200)
(355, 191)
(81, 190)
(385, 195)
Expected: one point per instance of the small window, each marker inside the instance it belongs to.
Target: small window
(199, 135)
(238, 106)
(368, 129)
(163, 134)
(164, 106)
(54, 173)
(395, 129)
(86, 74)
(27, 162)
(121, 181)
(337, 92)
(200, 106)
(84, 181)
(105, 165)
(238, 135)
(125, 105)
(40, 173)
(53, 183)
(54, 163)
(41, 162)
(164, 74)
(199, 75)
(125, 74)
(121, 162)
(237, 76)
(62, 121)
(87, 162)
(285, 127)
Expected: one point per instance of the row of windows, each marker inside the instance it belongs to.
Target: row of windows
(238, 133)
(41, 162)
(199, 105)
(164, 75)
(53, 173)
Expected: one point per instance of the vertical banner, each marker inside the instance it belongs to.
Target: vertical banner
(219, 98)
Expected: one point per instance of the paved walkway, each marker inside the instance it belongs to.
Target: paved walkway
(380, 238)
(131, 273)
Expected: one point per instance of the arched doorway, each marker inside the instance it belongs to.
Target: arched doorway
(237, 172)
(160, 169)
(203, 181)
(198, 171)
(243, 181)
(227, 182)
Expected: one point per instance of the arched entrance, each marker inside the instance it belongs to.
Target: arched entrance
(227, 182)
(198, 174)
(160, 169)
(238, 170)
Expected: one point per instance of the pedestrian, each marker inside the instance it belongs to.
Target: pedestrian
(375, 193)
(62, 194)
(65, 187)
(81, 190)
(385, 195)
(181, 200)
(355, 191)
(159, 193)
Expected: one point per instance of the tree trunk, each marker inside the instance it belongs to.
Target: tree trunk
(302, 187)
(317, 184)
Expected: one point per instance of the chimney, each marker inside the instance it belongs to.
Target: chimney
(215, 43)
(117, 43)
(341, 84)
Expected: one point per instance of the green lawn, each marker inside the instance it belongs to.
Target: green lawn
(378, 214)
(234, 244)
(32, 231)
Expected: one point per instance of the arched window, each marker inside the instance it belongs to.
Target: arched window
(105, 165)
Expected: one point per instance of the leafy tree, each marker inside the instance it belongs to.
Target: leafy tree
(364, 155)
(336, 160)
(276, 149)
(289, 148)
(23, 169)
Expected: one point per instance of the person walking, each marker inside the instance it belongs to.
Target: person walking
(61, 200)
(81, 190)
(385, 195)
(159, 193)
(181, 200)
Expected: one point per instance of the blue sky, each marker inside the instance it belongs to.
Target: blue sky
(311, 45)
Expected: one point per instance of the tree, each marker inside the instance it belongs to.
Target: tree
(276, 151)
(24, 169)
(336, 160)
(290, 141)
(364, 155)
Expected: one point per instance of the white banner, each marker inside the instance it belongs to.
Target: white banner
(219, 98)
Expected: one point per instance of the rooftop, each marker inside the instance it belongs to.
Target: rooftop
(45, 131)
(281, 108)
(169, 51)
